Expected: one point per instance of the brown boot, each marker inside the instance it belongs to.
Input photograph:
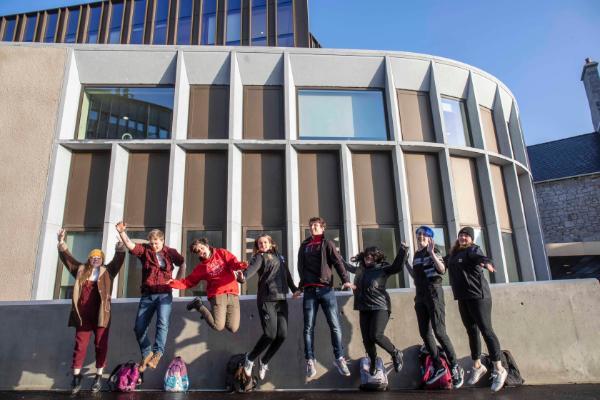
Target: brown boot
(154, 360)
(145, 362)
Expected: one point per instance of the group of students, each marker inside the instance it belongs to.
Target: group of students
(317, 258)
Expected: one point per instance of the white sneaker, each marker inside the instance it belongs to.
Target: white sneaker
(498, 379)
(342, 366)
(248, 365)
(262, 369)
(311, 370)
(476, 374)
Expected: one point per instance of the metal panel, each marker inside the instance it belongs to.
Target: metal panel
(424, 189)
(489, 129)
(209, 112)
(263, 112)
(415, 116)
(466, 188)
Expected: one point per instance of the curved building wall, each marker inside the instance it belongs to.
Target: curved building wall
(259, 140)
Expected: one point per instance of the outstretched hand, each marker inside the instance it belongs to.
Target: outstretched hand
(430, 246)
(296, 294)
(61, 235)
(349, 285)
(121, 226)
(488, 266)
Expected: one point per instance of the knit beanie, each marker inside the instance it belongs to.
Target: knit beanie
(96, 253)
(467, 230)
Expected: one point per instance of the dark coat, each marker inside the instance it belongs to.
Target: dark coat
(466, 274)
(329, 258)
(274, 278)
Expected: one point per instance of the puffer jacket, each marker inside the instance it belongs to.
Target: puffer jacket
(274, 278)
(466, 274)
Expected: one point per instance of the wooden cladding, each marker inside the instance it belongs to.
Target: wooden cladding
(374, 191)
(209, 112)
(424, 189)
(147, 188)
(86, 193)
(489, 129)
(501, 199)
(263, 112)
(415, 116)
(466, 189)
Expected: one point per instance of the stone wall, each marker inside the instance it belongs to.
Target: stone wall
(570, 209)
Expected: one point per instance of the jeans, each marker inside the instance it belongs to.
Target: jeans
(325, 297)
(149, 303)
(476, 316)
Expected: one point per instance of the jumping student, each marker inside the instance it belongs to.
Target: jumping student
(316, 259)
(158, 263)
(465, 264)
(373, 301)
(274, 281)
(219, 268)
(90, 306)
(427, 270)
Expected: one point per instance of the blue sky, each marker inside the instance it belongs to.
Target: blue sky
(537, 48)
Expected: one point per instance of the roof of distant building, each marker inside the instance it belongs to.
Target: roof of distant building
(574, 156)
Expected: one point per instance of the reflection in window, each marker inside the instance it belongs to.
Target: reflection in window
(385, 239)
(251, 286)
(456, 127)
(80, 244)
(285, 24)
(234, 23)
(126, 113)
(350, 114)
(258, 23)
(9, 29)
(160, 22)
(72, 21)
(209, 22)
(130, 276)
(510, 256)
(137, 24)
(94, 23)
(184, 27)
(30, 21)
(215, 238)
(51, 19)
(114, 35)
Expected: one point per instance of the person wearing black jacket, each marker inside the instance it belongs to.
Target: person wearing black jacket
(427, 270)
(465, 264)
(372, 300)
(274, 279)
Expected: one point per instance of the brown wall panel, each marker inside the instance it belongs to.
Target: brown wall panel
(466, 189)
(209, 112)
(205, 198)
(500, 194)
(489, 129)
(263, 112)
(147, 186)
(424, 189)
(415, 116)
(86, 193)
(374, 188)
(319, 187)
(263, 189)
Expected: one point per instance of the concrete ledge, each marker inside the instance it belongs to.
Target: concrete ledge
(572, 249)
(551, 328)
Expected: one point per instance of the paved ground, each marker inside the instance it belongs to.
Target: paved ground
(552, 392)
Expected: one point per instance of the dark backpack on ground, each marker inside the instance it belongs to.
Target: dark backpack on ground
(514, 377)
(125, 377)
(427, 369)
(236, 378)
(373, 383)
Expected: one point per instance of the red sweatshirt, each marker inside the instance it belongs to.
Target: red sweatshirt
(217, 271)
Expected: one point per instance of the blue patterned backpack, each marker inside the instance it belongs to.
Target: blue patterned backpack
(176, 377)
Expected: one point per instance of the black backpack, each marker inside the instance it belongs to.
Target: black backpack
(514, 377)
(236, 378)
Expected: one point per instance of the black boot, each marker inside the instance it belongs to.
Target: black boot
(194, 304)
(97, 384)
(76, 384)
(397, 360)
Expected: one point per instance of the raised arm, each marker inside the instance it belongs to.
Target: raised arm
(399, 261)
(116, 263)
(349, 267)
(436, 257)
(121, 227)
(65, 255)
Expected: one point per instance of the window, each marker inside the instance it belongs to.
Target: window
(285, 24)
(480, 240)
(80, 243)
(94, 23)
(130, 276)
(126, 113)
(415, 116)
(234, 23)
(456, 127)
(510, 257)
(116, 17)
(30, 24)
(9, 29)
(51, 20)
(258, 23)
(341, 114)
(209, 22)
(137, 24)
(160, 22)
(72, 22)
(184, 26)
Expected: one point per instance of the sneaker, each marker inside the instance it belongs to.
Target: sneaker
(397, 360)
(97, 384)
(262, 370)
(476, 374)
(194, 304)
(458, 376)
(153, 363)
(76, 384)
(437, 374)
(145, 361)
(342, 366)
(498, 378)
(248, 365)
(311, 370)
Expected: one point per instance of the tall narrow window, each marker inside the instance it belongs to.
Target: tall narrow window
(160, 22)
(209, 22)
(234, 22)
(9, 29)
(184, 25)
(137, 25)
(116, 18)
(30, 22)
(285, 23)
(258, 23)
(456, 126)
(94, 23)
(51, 20)
(72, 23)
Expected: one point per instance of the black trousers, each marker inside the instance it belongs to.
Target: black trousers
(431, 317)
(476, 316)
(372, 327)
(274, 321)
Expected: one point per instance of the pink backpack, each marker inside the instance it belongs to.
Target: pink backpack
(125, 377)
(427, 369)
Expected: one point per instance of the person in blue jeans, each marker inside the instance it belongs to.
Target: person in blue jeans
(317, 258)
(158, 263)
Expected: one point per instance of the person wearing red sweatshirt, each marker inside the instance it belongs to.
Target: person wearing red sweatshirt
(219, 268)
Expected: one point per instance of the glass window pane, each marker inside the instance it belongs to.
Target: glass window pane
(72, 21)
(131, 273)
(385, 239)
(160, 22)
(126, 112)
(114, 35)
(510, 256)
(285, 24)
(9, 29)
(94, 23)
(184, 26)
(481, 242)
(251, 286)
(80, 244)
(233, 22)
(209, 22)
(215, 238)
(137, 25)
(30, 27)
(456, 127)
(258, 23)
(350, 114)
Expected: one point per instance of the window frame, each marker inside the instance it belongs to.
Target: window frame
(467, 131)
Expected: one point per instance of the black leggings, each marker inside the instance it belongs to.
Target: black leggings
(476, 316)
(431, 317)
(274, 321)
(372, 326)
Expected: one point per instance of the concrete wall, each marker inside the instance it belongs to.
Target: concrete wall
(30, 91)
(551, 327)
